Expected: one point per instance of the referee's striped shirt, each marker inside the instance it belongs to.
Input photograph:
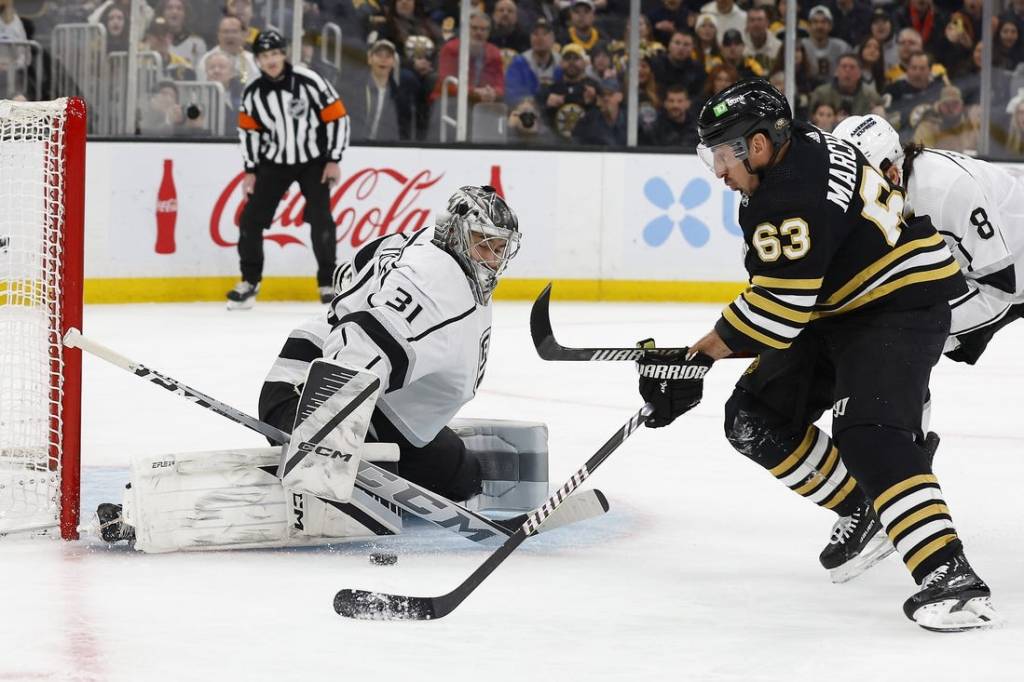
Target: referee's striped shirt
(296, 119)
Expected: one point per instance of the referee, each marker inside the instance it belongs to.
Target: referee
(293, 128)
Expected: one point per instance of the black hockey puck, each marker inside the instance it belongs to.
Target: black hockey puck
(383, 558)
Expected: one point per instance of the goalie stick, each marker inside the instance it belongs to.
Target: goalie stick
(363, 604)
(371, 478)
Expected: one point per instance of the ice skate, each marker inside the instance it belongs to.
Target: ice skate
(326, 294)
(243, 296)
(858, 542)
(110, 525)
(952, 599)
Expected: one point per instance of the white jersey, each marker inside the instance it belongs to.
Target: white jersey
(410, 317)
(978, 208)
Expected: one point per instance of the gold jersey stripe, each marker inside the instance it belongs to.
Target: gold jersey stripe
(930, 510)
(931, 548)
(743, 328)
(885, 261)
(947, 270)
(902, 486)
(783, 283)
(795, 457)
(758, 301)
(842, 494)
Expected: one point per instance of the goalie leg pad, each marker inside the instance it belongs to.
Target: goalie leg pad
(233, 500)
(513, 458)
(333, 414)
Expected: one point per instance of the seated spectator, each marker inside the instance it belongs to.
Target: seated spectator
(667, 18)
(1015, 13)
(852, 20)
(243, 10)
(230, 42)
(581, 30)
(805, 84)
(407, 18)
(382, 108)
(847, 90)
(759, 43)
(721, 76)
(221, 69)
(733, 54)
(969, 83)
(601, 67)
(184, 43)
(98, 14)
(486, 71)
(505, 31)
(822, 50)
(676, 125)
(115, 21)
(946, 126)
(678, 66)
(648, 97)
(953, 49)
(909, 43)
(872, 62)
(419, 54)
(605, 123)
(158, 39)
(1008, 51)
(706, 40)
(567, 99)
(824, 116)
(727, 15)
(162, 115)
(534, 68)
(619, 49)
(883, 31)
(926, 19)
(912, 95)
(526, 126)
(777, 26)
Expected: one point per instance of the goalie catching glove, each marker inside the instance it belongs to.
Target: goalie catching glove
(673, 384)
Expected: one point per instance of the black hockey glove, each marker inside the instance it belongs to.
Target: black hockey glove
(672, 384)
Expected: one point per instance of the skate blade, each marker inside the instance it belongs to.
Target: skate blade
(876, 550)
(952, 615)
(241, 305)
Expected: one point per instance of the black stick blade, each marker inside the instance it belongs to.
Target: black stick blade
(540, 327)
(364, 605)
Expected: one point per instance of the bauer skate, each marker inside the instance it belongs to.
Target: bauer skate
(952, 599)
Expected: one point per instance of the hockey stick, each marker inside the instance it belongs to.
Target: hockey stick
(363, 604)
(371, 478)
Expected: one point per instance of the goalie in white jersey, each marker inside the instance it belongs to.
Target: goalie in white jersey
(417, 313)
(977, 207)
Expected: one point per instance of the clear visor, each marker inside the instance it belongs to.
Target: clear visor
(721, 157)
(492, 247)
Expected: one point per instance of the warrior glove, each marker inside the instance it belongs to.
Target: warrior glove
(673, 384)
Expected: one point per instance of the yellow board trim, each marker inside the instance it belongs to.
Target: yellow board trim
(842, 494)
(781, 283)
(902, 486)
(880, 264)
(189, 289)
(931, 548)
(758, 301)
(743, 328)
(795, 457)
(921, 514)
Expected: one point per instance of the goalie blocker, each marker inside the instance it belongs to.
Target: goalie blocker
(234, 499)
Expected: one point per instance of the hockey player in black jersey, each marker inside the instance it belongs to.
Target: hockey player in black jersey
(846, 309)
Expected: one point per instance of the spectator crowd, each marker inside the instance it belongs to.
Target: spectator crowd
(548, 72)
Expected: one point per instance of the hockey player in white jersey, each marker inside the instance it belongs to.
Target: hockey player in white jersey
(977, 207)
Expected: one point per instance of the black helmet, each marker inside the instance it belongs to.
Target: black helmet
(750, 106)
(268, 40)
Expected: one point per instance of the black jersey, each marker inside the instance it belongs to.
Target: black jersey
(824, 235)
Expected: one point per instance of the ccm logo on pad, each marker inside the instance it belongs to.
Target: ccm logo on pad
(323, 451)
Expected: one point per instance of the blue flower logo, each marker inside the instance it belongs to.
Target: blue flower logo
(695, 232)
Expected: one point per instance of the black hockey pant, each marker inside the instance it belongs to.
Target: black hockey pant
(272, 181)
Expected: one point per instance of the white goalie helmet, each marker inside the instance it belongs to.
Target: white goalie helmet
(875, 138)
(480, 230)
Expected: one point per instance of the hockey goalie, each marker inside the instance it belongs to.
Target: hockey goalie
(379, 376)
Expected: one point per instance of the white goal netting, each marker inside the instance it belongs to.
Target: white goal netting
(31, 361)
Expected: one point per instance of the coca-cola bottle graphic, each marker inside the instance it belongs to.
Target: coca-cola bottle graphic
(496, 181)
(166, 210)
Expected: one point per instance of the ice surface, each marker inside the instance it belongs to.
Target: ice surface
(705, 569)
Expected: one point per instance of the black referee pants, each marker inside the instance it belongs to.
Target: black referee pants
(272, 181)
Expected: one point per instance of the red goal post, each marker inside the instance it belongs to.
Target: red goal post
(42, 189)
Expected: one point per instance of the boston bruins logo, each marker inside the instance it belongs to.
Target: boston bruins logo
(567, 117)
(298, 107)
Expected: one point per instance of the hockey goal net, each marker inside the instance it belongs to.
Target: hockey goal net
(42, 176)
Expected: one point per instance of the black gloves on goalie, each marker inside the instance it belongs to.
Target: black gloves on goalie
(671, 383)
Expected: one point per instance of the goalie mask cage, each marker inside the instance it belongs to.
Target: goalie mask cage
(42, 177)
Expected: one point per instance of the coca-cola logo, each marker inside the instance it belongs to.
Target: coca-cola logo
(369, 203)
